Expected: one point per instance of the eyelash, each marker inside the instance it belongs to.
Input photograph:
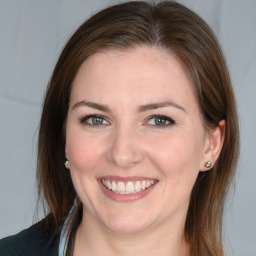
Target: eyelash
(84, 120)
(168, 119)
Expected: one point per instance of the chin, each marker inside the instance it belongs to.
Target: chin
(127, 228)
(128, 224)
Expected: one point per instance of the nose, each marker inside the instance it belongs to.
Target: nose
(125, 149)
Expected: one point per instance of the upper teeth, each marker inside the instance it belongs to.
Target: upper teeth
(129, 187)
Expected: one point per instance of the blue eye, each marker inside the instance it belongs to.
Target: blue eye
(160, 121)
(94, 120)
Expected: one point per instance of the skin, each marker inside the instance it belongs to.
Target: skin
(131, 143)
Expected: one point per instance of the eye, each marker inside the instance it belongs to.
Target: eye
(160, 121)
(94, 120)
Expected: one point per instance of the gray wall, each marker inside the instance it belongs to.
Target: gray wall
(32, 32)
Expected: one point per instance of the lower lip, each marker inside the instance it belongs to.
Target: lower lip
(126, 197)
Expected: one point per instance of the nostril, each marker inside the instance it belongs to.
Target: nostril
(124, 146)
(125, 157)
(125, 161)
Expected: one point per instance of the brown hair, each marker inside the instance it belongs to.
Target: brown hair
(176, 29)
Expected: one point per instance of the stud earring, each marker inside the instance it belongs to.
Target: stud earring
(66, 162)
(208, 164)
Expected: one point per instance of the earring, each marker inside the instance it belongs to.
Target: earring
(66, 161)
(208, 164)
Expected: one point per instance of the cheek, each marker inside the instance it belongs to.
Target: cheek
(178, 157)
(83, 152)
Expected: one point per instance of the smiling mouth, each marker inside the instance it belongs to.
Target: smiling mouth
(130, 187)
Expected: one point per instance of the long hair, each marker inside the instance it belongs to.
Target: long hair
(179, 31)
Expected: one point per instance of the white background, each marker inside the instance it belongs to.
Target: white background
(32, 33)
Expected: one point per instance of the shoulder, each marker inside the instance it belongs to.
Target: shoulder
(29, 242)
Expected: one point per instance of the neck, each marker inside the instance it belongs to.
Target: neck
(92, 238)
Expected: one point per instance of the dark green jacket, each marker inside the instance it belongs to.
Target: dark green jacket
(34, 241)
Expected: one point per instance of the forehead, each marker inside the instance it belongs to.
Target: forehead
(138, 74)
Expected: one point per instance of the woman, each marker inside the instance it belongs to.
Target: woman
(138, 141)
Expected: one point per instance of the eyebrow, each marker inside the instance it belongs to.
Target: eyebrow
(142, 108)
(160, 105)
(89, 104)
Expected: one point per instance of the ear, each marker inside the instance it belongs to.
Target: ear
(67, 163)
(213, 145)
(66, 159)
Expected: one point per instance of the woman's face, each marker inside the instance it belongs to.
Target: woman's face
(134, 139)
